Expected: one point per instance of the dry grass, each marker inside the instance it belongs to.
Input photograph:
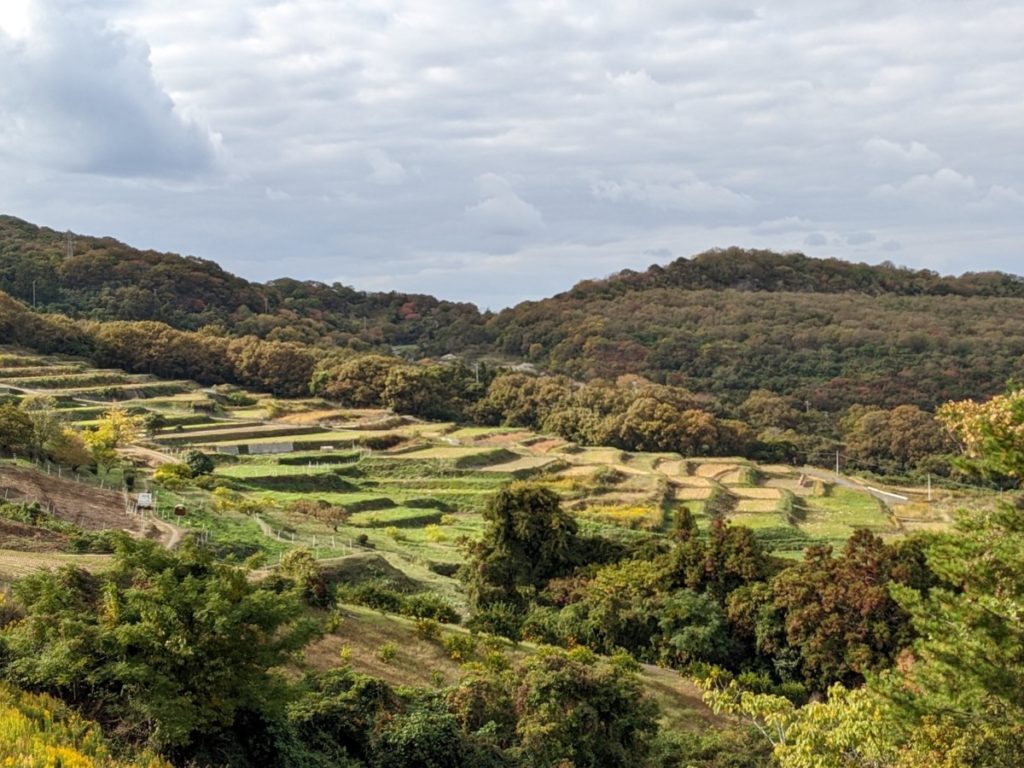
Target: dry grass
(717, 471)
(425, 663)
(756, 505)
(14, 564)
(522, 463)
(731, 477)
(757, 493)
(580, 470)
(684, 493)
(628, 515)
(361, 634)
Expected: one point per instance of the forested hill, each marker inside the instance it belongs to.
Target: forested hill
(105, 279)
(725, 322)
(759, 270)
(832, 350)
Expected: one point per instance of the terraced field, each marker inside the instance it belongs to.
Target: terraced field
(414, 490)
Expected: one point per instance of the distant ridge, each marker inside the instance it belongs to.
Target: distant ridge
(725, 322)
(759, 270)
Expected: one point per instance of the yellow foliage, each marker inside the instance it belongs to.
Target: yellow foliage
(37, 731)
(994, 426)
(628, 515)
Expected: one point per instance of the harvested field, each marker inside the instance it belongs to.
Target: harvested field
(685, 493)
(232, 432)
(520, 464)
(757, 493)
(545, 446)
(14, 565)
(671, 467)
(714, 471)
(595, 456)
(692, 481)
(580, 470)
(756, 505)
(778, 469)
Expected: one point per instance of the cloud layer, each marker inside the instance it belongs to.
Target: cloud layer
(499, 151)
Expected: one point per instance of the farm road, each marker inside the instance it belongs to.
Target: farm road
(885, 497)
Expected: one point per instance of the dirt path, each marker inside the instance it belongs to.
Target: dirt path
(172, 533)
(148, 455)
(891, 499)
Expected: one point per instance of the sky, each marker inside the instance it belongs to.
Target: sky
(500, 151)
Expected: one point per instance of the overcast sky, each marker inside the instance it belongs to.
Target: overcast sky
(493, 152)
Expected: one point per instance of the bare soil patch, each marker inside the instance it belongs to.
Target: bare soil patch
(90, 508)
(27, 538)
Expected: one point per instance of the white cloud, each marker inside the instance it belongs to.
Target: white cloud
(943, 185)
(606, 127)
(16, 18)
(77, 95)
(887, 154)
(384, 170)
(787, 224)
(687, 194)
(502, 211)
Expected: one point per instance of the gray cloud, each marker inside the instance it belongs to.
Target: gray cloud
(80, 96)
(860, 238)
(459, 145)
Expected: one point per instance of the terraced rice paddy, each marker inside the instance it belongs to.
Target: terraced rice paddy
(412, 489)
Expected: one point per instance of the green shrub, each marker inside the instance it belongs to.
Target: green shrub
(428, 629)
(388, 651)
(459, 647)
(499, 618)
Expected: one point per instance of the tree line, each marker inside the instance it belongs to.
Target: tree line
(630, 412)
(726, 321)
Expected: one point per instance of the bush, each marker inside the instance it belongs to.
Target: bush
(388, 651)
(173, 476)
(373, 594)
(428, 629)
(198, 462)
(499, 619)
(459, 647)
(435, 534)
(427, 605)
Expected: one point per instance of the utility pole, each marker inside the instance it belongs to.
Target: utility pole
(929, 488)
(837, 463)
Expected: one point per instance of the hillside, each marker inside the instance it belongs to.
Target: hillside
(101, 278)
(724, 322)
(388, 573)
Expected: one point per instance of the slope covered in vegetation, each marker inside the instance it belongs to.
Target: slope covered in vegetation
(727, 322)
